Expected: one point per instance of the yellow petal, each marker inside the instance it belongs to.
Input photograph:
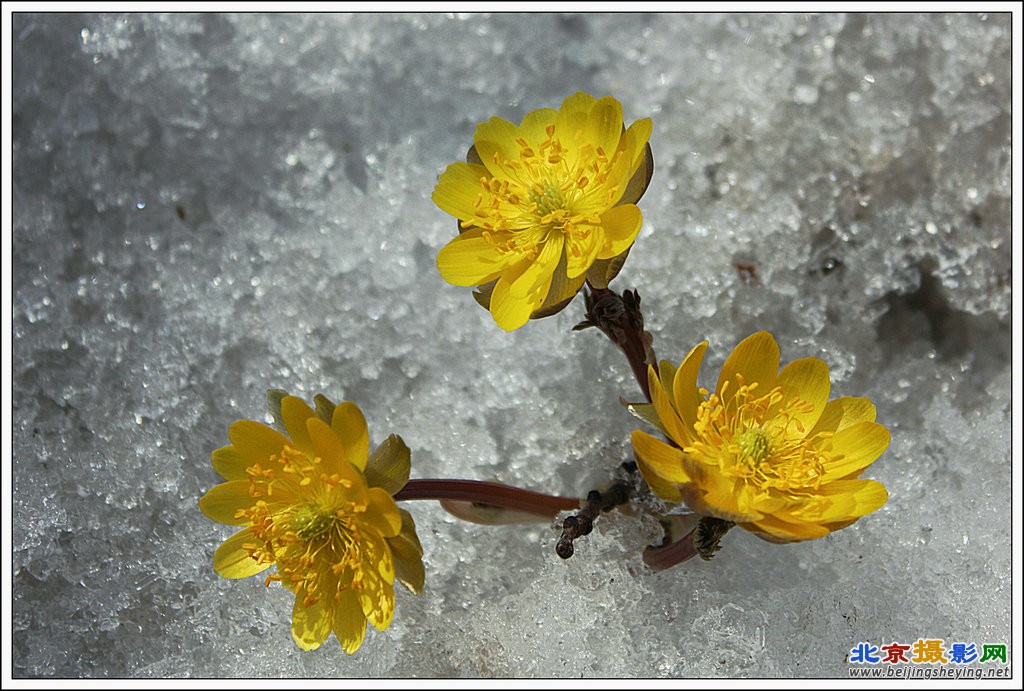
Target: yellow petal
(661, 465)
(756, 359)
(571, 123)
(384, 608)
(805, 379)
(867, 495)
(408, 555)
(223, 501)
(510, 312)
(538, 272)
(229, 463)
(382, 513)
(842, 413)
(349, 622)
(498, 137)
(327, 447)
(561, 291)
(311, 625)
(458, 189)
(666, 413)
(350, 426)
(636, 138)
(232, 560)
(256, 441)
(534, 126)
(643, 171)
(294, 413)
(621, 225)
(717, 495)
(388, 466)
(471, 259)
(604, 125)
(774, 530)
(684, 385)
(854, 449)
(581, 251)
(666, 374)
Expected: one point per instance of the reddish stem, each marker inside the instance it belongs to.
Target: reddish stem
(491, 493)
(661, 558)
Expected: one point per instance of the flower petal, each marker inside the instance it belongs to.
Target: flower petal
(472, 259)
(561, 291)
(349, 622)
(495, 142)
(661, 465)
(229, 463)
(866, 496)
(805, 379)
(510, 312)
(255, 441)
(635, 141)
(232, 560)
(773, 529)
(648, 413)
(458, 189)
(756, 359)
(388, 466)
(643, 171)
(311, 625)
(538, 272)
(382, 513)
(534, 126)
(854, 449)
(327, 447)
(684, 385)
(408, 555)
(381, 605)
(621, 225)
(677, 432)
(604, 125)
(350, 426)
(294, 413)
(842, 413)
(223, 501)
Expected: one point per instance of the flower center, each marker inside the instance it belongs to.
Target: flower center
(755, 448)
(316, 541)
(548, 198)
(311, 522)
(759, 439)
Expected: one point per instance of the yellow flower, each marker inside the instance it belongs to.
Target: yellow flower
(544, 206)
(767, 450)
(318, 506)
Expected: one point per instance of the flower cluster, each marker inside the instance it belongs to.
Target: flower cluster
(767, 450)
(318, 506)
(545, 206)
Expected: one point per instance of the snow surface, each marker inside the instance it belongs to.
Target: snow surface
(206, 206)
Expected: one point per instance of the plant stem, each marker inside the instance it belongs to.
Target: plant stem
(490, 493)
(620, 319)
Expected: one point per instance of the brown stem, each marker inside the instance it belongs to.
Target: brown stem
(703, 541)
(490, 493)
(620, 319)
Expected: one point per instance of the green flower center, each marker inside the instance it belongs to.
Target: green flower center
(548, 199)
(755, 447)
(310, 522)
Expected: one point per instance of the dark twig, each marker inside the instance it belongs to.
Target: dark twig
(582, 523)
(620, 319)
